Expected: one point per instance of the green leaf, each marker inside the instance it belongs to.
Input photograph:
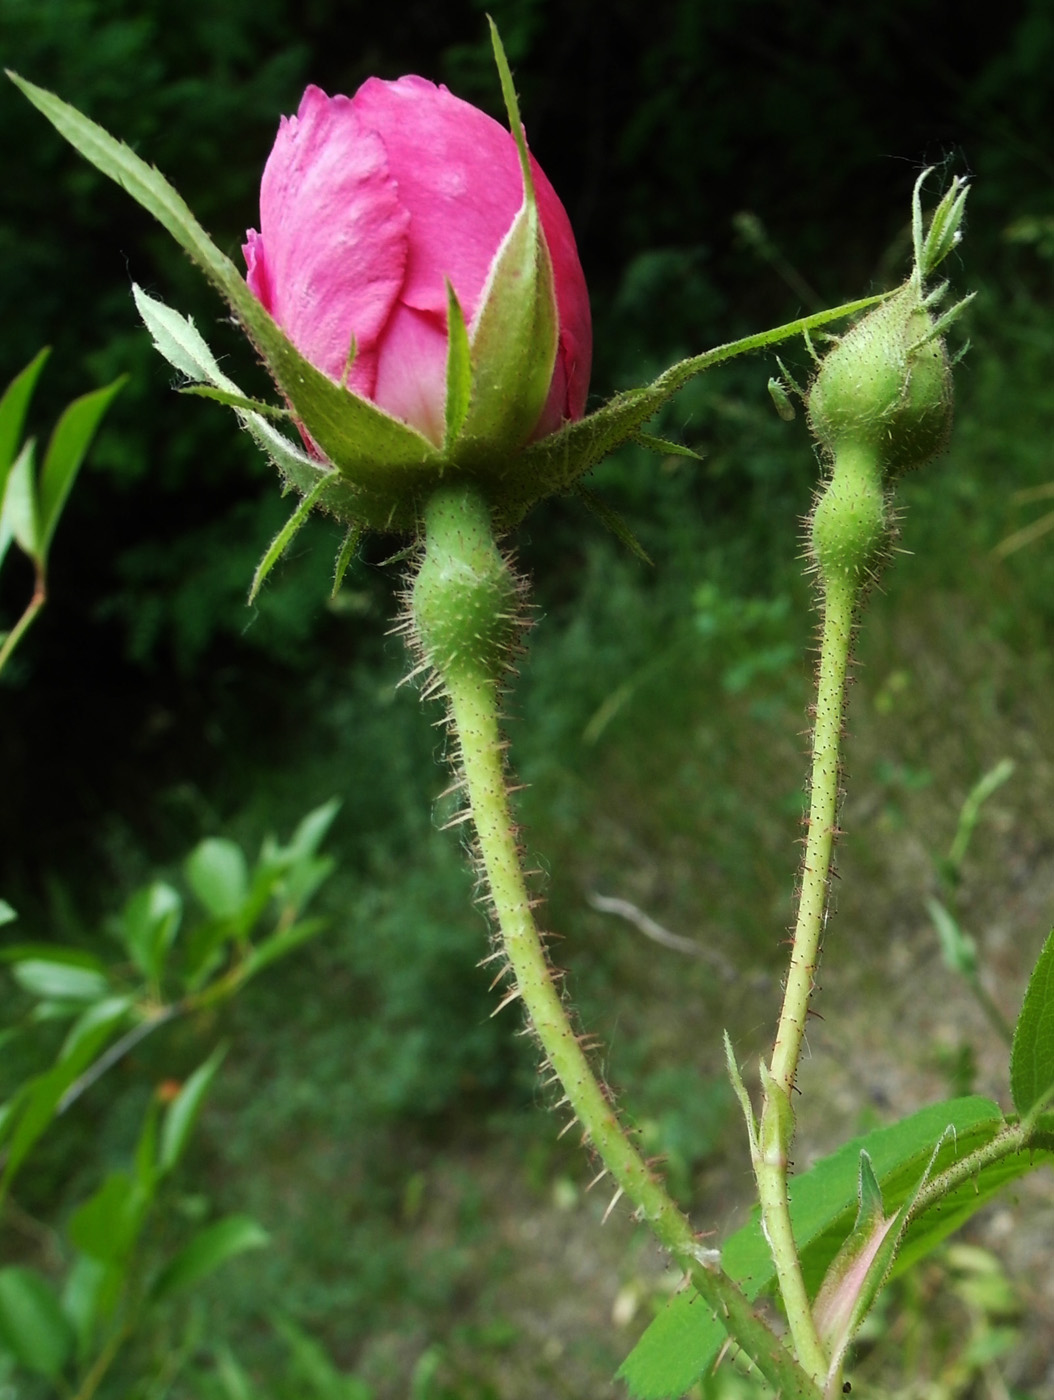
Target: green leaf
(94, 1027)
(207, 1251)
(1032, 1055)
(458, 369)
(108, 1224)
(59, 981)
(7, 914)
(684, 1338)
(20, 517)
(13, 409)
(148, 926)
(286, 534)
(219, 876)
(280, 944)
(66, 451)
(32, 1324)
(183, 1111)
(958, 948)
(82, 1297)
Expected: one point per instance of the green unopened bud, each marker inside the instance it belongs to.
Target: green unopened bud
(886, 386)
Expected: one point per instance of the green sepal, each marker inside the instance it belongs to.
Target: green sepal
(458, 369)
(611, 520)
(238, 401)
(180, 342)
(346, 554)
(284, 538)
(371, 448)
(515, 330)
(664, 447)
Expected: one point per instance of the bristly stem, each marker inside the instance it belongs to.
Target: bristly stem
(459, 544)
(848, 525)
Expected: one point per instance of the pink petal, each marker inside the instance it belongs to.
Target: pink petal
(331, 255)
(411, 370)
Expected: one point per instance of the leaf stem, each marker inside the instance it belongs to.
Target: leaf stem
(22, 626)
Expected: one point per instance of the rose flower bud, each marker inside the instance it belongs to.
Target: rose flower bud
(369, 206)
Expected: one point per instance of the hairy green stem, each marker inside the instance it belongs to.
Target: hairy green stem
(848, 521)
(458, 542)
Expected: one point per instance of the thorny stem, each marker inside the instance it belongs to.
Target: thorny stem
(472, 692)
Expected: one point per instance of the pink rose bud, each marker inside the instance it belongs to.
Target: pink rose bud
(368, 206)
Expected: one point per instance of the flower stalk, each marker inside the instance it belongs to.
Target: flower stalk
(462, 581)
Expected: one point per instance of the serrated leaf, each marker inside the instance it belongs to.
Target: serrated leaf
(182, 1113)
(149, 924)
(59, 981)
(684, 1338)
(207, 1251)
(32, 1324)
(67, 449)
(1032, 1054)
(219, 876)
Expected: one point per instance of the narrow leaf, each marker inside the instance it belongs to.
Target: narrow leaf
(285, 535)
(282, 943)
(20, 514)
(32, 1323)
(183, 1111)
(208, 1251)
(13, 409)
(1032, 1055)
(311, 830)
(345, 556)
(219, 876)
(66, 451)
(58, 981)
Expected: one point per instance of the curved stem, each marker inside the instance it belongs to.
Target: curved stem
(471, 689)
(853, 481)
(24, 623)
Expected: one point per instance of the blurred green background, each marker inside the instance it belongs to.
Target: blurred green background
(727, 166)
